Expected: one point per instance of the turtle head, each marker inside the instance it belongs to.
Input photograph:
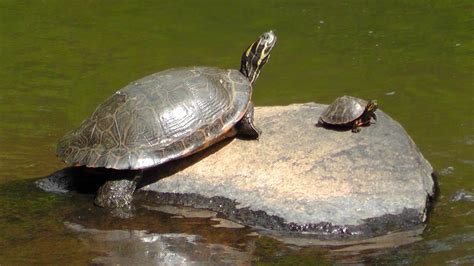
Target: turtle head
(372, 106)
(370, 110)
(257, 55)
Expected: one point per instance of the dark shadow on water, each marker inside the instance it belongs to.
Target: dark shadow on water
(432, 200)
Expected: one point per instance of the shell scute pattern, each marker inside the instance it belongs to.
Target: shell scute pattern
(160, 117)
(179, 115)
(343, 110)
(211, 109)
(214, 129)
(193, 139)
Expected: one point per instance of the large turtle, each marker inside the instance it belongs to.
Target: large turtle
(348, 111)
(164, 116)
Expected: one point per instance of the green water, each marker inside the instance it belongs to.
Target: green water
(59, 59)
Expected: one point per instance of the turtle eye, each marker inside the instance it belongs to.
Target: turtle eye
(269, 37)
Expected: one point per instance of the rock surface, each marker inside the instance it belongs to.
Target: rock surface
(302, 177)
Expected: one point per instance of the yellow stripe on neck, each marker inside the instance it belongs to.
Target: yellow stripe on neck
(261, 55)
(249, 49)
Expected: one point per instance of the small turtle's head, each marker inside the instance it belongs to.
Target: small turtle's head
(372, 106)
(257, 55)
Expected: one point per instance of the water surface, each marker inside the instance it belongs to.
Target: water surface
(60, 59)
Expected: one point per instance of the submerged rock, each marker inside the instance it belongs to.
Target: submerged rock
(306, 178)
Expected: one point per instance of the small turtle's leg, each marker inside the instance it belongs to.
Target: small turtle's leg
(320, 123)
(246, 128)
(117, 193)
(374, 116)
(356, 126)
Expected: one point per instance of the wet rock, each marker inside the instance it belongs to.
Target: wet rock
(225, 223)
(183, 211)
(79, 179)
(306, 178)
(59, 182)
(390, 240)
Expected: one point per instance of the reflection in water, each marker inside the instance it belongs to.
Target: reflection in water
(462, 195)
(144, 239)
(188, 212)
(158, 234)
(351, 251)
(391, 240)
(139, 247)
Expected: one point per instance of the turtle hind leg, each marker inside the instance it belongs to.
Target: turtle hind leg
(117, 194)
(355, 129)
(356, 126)
(246, 128)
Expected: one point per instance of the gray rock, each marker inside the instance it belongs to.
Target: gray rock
(307, 178)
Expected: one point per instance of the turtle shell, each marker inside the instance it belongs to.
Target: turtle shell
(344, 110)
(163, 116)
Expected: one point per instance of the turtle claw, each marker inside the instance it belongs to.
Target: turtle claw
(373, 116)
(246, 128)
(355, 129)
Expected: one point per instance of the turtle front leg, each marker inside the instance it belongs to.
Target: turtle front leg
(320, 123)
(246, 128)
(373, 116)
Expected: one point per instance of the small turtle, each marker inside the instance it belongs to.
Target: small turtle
(165, 116)
(348, 111)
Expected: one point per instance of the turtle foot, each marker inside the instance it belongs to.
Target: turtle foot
(355, 130)
(116, 194)
(246, 128)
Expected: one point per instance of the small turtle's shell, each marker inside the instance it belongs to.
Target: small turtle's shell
(344, 110)
(164, 116)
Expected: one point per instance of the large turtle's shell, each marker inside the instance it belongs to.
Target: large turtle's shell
(344, 110)
(166, 115)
